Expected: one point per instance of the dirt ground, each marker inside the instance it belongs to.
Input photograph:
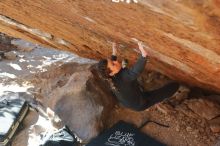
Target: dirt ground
(186, 128)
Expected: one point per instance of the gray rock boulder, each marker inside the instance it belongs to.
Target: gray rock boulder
(82, 102)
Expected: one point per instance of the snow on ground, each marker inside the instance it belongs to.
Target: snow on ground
(45, 126)
(38, 58)
(14, 87)
(32, 59)
(15, 66)
(5, 74)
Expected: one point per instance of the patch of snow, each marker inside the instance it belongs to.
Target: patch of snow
(5, 74)
(29, 66)
(22, 60)
(45, 126)
(41, 68)
(60, 56)
(14, 87)
(21, 56)
(45, 57)
(32, 72)
(15, 66)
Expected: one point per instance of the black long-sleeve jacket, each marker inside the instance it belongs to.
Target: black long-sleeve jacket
(129, 91)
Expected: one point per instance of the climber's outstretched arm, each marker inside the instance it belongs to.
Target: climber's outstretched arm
(141, 48)
(139, 66)
(114, 52)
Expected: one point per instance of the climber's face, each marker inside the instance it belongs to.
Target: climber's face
(114, 67)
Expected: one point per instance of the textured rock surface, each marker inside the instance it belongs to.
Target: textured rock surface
(215, 125)
(200, 106)
(181, 36)
(5, 44)
(76, 97)
(23, 135)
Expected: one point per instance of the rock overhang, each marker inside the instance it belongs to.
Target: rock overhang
(182, 37)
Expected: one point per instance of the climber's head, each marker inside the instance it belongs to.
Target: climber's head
(108, 67)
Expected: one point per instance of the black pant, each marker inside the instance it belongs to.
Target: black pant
(152, 97)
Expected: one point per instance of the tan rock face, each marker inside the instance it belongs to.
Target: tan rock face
(182, 37)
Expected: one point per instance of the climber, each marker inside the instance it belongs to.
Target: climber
(129, 93)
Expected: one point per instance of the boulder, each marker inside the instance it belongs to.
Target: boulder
(82, 102)
(183, 45)
(84, 114)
